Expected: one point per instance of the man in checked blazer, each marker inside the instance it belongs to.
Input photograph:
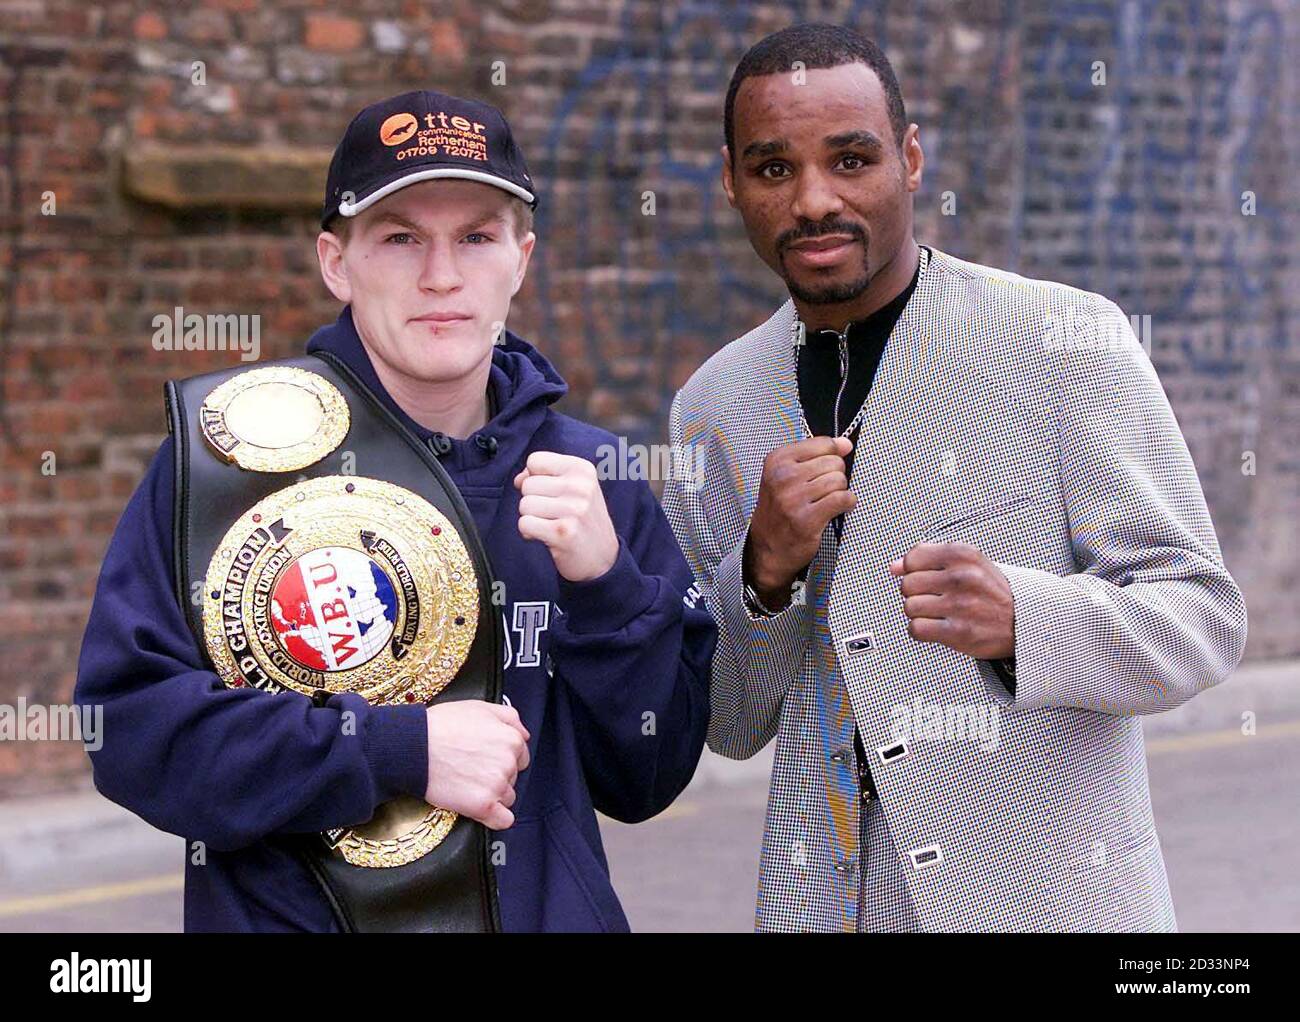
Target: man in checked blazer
(951, 616)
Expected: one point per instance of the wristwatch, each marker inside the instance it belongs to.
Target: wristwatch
(756, 607)
(1006, 672)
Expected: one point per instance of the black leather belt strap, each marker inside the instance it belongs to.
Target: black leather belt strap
(453, 887)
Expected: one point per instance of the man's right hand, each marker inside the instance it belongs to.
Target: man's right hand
(476, 750)
(804, 486)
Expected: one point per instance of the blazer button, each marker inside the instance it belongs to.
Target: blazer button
(930, 855)
(860, 644)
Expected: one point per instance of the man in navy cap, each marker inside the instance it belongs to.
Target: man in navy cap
(426, 238)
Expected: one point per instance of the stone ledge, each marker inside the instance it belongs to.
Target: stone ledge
(248, 177)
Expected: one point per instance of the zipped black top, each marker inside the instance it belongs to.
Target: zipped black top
(836, 369)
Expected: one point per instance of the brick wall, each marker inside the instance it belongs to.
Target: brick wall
(1133, 188)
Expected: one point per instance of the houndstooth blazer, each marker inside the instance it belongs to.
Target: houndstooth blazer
(1021, 416)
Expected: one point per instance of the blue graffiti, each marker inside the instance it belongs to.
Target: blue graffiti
(1125, 161)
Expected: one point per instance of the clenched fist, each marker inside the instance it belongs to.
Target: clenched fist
(476, 750)
(563, 506)
(804, 486)
(954, 595)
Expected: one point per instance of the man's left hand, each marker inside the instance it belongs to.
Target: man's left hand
(955, 595)
(563, 506)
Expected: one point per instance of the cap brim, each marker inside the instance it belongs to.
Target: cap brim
(350, 209)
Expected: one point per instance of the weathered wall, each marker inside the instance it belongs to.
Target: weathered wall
(1133, 188)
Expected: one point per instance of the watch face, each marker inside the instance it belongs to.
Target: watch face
(755, 604)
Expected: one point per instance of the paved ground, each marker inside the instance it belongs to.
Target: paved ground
(1226, 805)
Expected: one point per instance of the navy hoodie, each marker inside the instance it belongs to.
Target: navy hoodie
(610, 676)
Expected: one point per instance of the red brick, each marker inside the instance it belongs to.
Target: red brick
(446, 43)
(333, 34)
(150, 25)
(106, 99)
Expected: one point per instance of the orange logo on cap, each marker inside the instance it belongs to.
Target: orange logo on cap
(397, 129)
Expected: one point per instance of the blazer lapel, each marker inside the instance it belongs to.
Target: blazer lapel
(922, 444)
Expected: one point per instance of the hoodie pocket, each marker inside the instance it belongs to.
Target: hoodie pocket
(589, 876)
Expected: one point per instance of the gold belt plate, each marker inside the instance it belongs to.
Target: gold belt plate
(347, 584)
(274, 419)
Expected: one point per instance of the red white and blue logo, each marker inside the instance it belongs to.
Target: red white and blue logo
(333, 609)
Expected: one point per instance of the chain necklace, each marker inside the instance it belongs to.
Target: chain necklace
(799, 337)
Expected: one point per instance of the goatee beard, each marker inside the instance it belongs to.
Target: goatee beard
(832, 295)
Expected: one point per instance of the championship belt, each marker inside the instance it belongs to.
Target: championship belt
(320, 548)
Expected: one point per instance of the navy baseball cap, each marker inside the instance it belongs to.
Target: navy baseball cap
(420, 136)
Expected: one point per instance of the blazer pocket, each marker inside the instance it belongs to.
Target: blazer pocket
(1101, 856)
(978, 515)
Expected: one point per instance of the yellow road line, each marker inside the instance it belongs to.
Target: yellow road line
(679, 808)
(1218, 739)
(90, 895)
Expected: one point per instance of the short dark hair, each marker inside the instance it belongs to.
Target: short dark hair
(815, 45)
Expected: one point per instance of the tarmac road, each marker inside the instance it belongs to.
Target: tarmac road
(1226, 807)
